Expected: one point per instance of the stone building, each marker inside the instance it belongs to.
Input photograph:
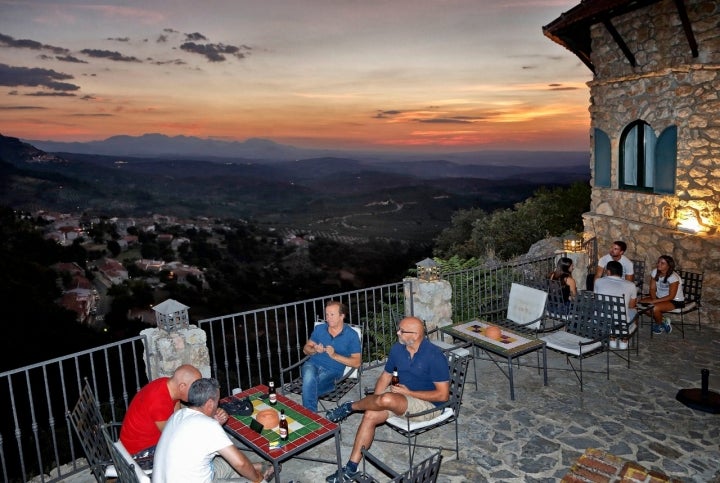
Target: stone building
(655, 128)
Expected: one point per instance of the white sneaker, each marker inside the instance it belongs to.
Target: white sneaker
(613, 343)
(623, 345)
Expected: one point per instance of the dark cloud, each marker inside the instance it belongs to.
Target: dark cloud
(91, 115)
(119, 39)
(214, 52)
(87, 98)
(162, 39)
(560, 87)
(109, 54)
(51, 94)
(386, 114)
(170, 62)
(445, 120)
(30, 44)
(194, 37)
(21, 108)
(70, 58)
(33, 77)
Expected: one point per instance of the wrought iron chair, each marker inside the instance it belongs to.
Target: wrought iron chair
(449, 411)
(639, 270)
(691, 284)
(88, 424)
(622, 328)
(351, 377)
(586, 334)
(127, 470)
(426, 471)
(526, 311)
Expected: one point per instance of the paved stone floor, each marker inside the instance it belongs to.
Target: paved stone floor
(537, 437)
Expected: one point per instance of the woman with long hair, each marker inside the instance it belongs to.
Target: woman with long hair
(563, 273)
(666, 293)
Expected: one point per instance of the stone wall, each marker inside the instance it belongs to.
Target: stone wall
(667, 87)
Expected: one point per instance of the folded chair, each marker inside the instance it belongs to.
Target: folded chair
(351, 377)
(426, 471)
(88, 423)
(127, 470)
(449, 411)
(586, 334)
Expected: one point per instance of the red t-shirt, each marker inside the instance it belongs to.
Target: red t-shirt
(152, 403)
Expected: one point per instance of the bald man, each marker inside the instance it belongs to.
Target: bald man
(150, 409)
(424, 384)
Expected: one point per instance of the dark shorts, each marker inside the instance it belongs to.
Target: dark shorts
(144, 458)
(678, 303)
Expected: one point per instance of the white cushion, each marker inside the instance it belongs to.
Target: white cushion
(141, 475)
(110, 471)
(526, 304)
(688, 306)
(402, 422)
(569, 343)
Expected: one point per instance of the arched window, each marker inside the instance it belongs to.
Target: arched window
(637, 157)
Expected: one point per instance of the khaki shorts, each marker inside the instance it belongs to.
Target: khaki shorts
(415, 405)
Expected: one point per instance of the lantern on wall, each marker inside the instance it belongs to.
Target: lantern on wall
(573, 244)
(428, 270)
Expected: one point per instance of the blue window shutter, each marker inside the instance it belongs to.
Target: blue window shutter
(602, 159)
(666, 161)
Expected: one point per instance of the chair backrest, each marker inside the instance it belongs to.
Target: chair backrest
(691, 285)
(585, 320)
(88, 423)
(458, 367)
(526, 304)
(359, 332)
(127, 470)
(639, 270)
(611, 308)
(426, 471)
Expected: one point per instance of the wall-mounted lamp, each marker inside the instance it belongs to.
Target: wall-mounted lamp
(573, 244)
(688, 220)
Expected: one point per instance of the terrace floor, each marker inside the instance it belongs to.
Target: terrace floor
(539, 436)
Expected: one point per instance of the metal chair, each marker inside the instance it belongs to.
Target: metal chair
(449, 411)
(612, 307)
(351, 377)
(586, 334)
(127, 470)
(426, 471)
(691, 284)
(88, 423)
(639, 271)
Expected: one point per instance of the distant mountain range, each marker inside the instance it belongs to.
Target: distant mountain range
(255, 149)
(399, 198)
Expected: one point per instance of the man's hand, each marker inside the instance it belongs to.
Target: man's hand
(221, 416)
(330, 350)
(399, 389)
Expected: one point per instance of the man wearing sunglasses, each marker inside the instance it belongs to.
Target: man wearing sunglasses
(424, 384)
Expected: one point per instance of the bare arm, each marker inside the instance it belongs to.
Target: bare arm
(630, 276)
(353, 361)
(383, 382)
(573, 286)
(441, 393)
(599, 272)
(241, 463)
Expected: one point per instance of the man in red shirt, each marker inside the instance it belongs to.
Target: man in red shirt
(150, 409)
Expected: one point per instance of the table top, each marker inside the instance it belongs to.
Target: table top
(509, 344)
(306, 428)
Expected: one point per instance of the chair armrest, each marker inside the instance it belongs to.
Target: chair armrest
(283, 370)
(439, 408)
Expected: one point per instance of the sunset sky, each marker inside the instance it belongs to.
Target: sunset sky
(432, 75)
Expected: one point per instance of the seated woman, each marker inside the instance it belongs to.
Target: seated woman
(666, 293)
(563, 273)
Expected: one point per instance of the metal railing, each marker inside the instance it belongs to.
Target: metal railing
(245, 349)
(36, 436)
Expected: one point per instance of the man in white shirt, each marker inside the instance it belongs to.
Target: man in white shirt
(617, 253)
(613, 284)
(194, 448)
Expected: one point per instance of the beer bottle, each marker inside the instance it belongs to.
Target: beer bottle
(272, 396)
(395, 379)
(284, 431)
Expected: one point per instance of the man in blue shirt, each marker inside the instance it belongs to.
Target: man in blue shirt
(424, 383)
(332, 347)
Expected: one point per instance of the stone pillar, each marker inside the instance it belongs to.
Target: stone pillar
(168, 350)
(431, 301)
